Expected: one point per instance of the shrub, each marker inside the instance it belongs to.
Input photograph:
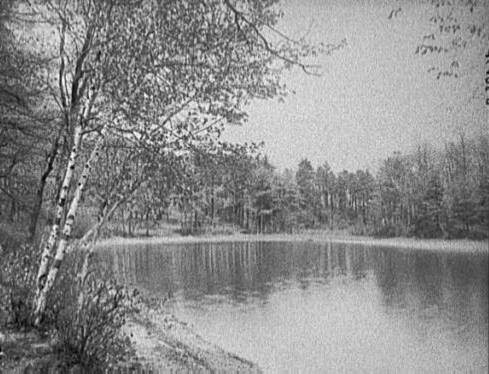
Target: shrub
(386, 231)
(359, 228)
(18, 270)
(90, 335)
(10, 237)
(342, 223)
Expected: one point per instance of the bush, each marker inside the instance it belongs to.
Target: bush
(386, 231)
(359, 228)
(18, 270)
(10, 237)
(90, 335)
(342, 223)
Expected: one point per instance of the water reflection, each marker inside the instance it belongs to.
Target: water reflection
(235, 269)
(342, 307)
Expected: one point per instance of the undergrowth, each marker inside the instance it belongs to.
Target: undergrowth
(86, 331)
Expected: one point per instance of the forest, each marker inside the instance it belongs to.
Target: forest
(430, 193)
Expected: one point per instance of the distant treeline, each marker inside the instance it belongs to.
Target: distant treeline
(432, 193)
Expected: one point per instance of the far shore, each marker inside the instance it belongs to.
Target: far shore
(319, 237)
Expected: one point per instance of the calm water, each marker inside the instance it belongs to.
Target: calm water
(308, 307)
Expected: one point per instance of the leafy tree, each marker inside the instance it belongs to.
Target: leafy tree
(428, 222)
(325, 185)
(263, 195)
(366, 187)
(305, 179)
(153, 73)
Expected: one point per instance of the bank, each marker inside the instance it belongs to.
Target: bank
(165, 344)
(161, 342)
(458, 245)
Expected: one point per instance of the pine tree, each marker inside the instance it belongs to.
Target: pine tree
(428, 222)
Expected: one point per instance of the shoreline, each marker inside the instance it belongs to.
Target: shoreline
(164, 343)
(455, 245)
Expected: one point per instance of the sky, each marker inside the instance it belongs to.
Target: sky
(374, 96)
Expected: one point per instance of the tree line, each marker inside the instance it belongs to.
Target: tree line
(430, 193)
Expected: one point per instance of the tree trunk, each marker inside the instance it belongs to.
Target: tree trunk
(129, 224)
(212, 205)
(13, 209)
(40, 188)
(331, 214)
(41, 297)
(53, 236)
(147, 222)
(123, 220)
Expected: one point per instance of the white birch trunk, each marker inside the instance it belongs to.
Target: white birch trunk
(53, 236)
(61, 248)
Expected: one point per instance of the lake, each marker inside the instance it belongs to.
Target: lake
(322, 307)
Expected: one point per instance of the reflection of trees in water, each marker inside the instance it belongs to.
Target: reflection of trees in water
(141, 266)
(432, 277)
(237, 269)
(452, 284)
(448, 286)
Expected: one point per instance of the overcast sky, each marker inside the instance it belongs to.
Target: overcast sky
(374, 96)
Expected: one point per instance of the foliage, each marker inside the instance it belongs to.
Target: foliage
(454, 27)
(17, 283)
(91, 336)
(429, 193)
(162, 77)
(84, 221)
(89, 333)
(10, 237)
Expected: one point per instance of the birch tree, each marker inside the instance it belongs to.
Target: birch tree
(153, 73)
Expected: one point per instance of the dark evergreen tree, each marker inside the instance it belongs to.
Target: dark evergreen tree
(428, 222)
